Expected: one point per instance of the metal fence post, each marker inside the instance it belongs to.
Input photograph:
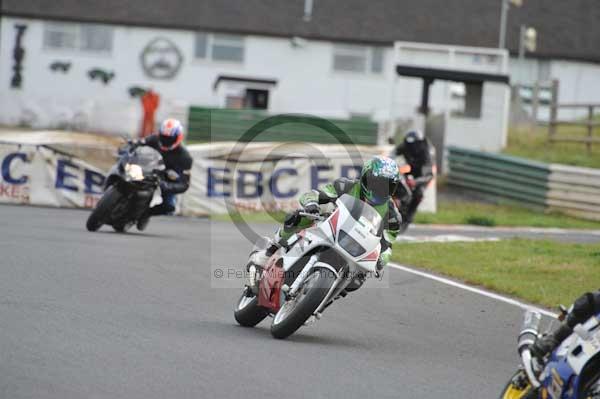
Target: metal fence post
(590, 127)
(535, 102)
(553, 110)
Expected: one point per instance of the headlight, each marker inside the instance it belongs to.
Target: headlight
(350, 245)
(134, 172)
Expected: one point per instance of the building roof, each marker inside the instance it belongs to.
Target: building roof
(566, 29)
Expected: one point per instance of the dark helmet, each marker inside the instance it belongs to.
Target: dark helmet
(379, 179)
(415, 146)
(413, 136)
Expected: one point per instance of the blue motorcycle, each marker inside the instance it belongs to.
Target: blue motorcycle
(572, 371)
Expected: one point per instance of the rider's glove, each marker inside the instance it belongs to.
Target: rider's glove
(546, 344)
(135, 143)
(312, 207)
(172, 175)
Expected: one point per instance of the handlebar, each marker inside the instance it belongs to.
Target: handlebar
(313, 216)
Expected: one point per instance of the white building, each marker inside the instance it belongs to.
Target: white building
(327, 58)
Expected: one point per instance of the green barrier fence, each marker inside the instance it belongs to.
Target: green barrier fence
(571, 190)
(215, 124)
(501, 176)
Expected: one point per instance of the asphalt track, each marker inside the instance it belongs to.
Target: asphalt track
(107, 315)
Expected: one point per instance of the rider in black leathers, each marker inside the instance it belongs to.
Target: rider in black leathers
(178, 163)
(584, 307)
(416, 150)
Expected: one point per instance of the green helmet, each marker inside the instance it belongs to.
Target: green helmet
(379, 180)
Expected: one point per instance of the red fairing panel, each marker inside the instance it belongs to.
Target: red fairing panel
(269, 288)
(333, 222)
(373, 256)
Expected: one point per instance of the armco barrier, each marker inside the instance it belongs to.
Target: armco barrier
(572, 190)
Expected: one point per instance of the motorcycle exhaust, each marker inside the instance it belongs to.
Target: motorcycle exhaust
(527, 337)
(529, 330)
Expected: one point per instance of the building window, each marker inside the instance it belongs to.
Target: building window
(60, 36)
(360, 59)
(228, 48)
(377, 59)
(466, 99)
(201, 49)
(96, 38)
(85, 37)
(219, 47)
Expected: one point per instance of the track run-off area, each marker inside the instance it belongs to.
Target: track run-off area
(137, 315)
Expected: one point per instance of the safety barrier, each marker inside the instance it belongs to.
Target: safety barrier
(64, 169)
(215, 124)
(569, 189)
(68, 170)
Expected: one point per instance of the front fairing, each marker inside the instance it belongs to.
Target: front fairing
(561, 376)
(353, 221)
(146, 157)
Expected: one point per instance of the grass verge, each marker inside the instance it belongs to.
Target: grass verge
(470, 213)
(533, 144)
(543, 272)
(482, 214)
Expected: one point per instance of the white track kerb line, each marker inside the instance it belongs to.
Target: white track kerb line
(466, 287)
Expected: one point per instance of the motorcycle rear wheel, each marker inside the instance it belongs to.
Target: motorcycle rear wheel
(294, 313)
(103, 208)
(247, 312)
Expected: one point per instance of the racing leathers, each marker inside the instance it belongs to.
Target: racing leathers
(418, 156)
(311, 202)
(178, 164)
(583, 308)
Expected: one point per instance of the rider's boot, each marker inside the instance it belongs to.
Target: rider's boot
(260, 258)
(142, 222)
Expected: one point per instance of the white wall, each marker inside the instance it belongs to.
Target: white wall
(487, 133)
(306, 80)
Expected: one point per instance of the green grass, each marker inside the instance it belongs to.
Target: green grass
(471, 213)
(534, 145)
(543, 272)
(482, 214)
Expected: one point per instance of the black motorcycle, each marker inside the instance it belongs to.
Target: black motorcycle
(129, 188)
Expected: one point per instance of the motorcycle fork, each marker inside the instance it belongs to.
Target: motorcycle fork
(299, 281)
(120, 211)
(333, 293)
(141, 202)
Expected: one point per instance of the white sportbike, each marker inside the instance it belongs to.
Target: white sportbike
(319, 265)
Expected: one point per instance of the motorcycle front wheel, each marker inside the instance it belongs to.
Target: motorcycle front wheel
(591, 386)
(247, 312)
(510, 391)
(294, 312)
(101, 212)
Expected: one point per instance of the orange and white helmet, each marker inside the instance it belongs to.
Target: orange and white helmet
(170, 134)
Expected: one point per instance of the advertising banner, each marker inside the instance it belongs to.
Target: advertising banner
(226, 176)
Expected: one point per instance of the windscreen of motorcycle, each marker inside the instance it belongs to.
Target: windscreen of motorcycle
(363, 213)
(148, 158)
